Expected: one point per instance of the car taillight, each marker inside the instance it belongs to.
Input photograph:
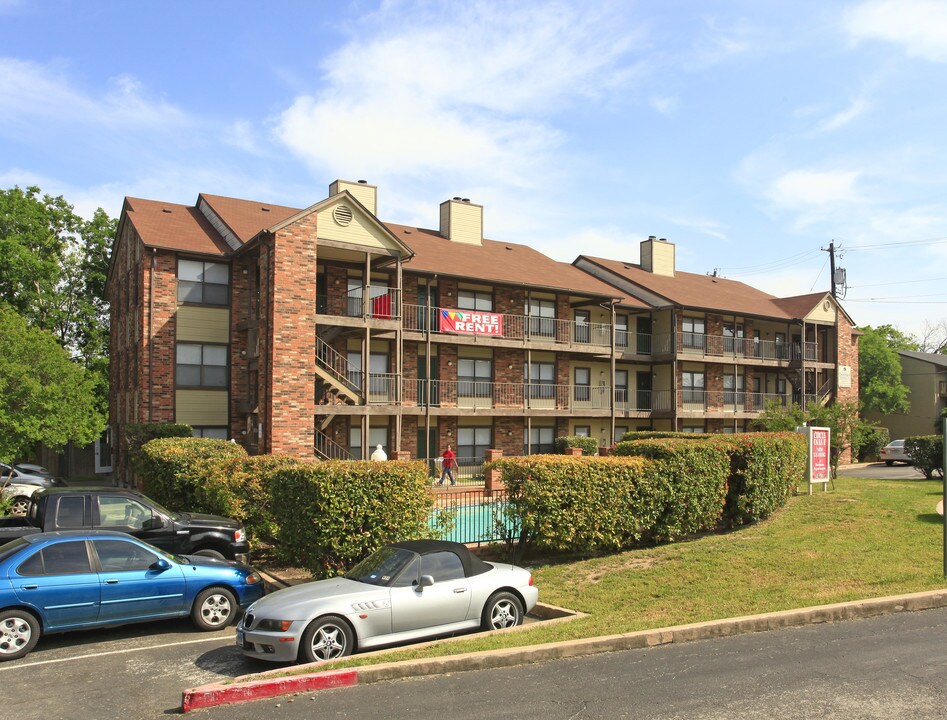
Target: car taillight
(238, 535)
(531, 581)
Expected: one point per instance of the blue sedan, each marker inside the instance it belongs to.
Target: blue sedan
(59, 581)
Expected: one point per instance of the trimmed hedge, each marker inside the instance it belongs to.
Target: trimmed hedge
(334, 513)
(765, 470)
(868, 440)
(589, 445)
(661, 435)
(927, 453)
(136, 436)
(173, 469)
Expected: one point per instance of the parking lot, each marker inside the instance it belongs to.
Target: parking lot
(127, 673)
(880, 471)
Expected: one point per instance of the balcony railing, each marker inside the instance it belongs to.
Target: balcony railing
(473, 394)
(383, 303)
(326, 448)
(727, 400)
(520, 327)
(725, 346)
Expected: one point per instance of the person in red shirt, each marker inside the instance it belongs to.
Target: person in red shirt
(449, 459)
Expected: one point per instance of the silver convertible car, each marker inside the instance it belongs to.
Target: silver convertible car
(403, 592)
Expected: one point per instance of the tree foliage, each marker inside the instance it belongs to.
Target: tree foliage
(879, 369)
(44, 396)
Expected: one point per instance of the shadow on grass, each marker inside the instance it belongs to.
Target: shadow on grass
(932, 518)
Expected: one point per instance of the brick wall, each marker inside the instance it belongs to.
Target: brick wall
(292, 335)
(508, 435)
(239, 349)
(159, 349)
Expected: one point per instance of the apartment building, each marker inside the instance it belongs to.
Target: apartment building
(326, 331)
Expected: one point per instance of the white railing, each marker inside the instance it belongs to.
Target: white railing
(328, 449)
(474, 394)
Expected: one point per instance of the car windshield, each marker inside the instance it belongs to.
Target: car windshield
(381, 567)
(163, 510)
(11, 548)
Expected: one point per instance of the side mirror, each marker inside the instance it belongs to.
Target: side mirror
(425, 581)
(160, 565)
(154, 523)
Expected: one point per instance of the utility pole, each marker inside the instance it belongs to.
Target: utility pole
(832, 267)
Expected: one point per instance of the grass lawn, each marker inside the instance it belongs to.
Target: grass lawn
(867, 538)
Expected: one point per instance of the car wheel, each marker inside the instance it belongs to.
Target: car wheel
(20, 506)
(19, 633)
(889, 463)
(209, 552)
(326, 638)
(214, 608)
(502, 610)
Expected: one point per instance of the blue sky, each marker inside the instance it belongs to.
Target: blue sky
(751, 134)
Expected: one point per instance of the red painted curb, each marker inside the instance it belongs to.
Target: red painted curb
(218, 694)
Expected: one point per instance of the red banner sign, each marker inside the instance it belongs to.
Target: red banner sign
(819, 444)
(476, 323)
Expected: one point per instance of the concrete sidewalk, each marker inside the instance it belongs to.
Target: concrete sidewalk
(277, 682)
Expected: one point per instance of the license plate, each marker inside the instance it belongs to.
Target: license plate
(239, 638)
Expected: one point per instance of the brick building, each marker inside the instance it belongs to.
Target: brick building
(326, 331)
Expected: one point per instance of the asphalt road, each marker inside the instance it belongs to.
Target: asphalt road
(135, 672)
(887, 667)
(880, 471)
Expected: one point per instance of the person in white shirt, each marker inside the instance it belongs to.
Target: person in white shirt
(379, 454)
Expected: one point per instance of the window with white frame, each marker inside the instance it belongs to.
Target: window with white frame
(201, 365)
(733, 389)
(542, 317)
(474, 376)
(376, 436)
(733, 337)
(473, 443)
(693, 330)
(542, 380)
(540, 441)
(475, 300)
(583, 384)
(203, 283)
(583, 431)
(692, 384)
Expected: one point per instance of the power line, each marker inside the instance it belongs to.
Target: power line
(930, 241)
(772, 265)
(827, 257)
(898, 282)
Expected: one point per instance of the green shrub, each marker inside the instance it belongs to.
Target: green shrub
(589, 445)
(334, 513)
(661, 435)
(765, 469)
(138, 435)
(173, 469)
(697, 472)
(927, 453)
(867, 441)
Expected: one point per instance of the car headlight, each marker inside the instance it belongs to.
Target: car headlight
(254, 578)
(274, 625)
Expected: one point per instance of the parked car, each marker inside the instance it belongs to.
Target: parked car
(894, 452)
(20, 482)
(73, 580)
(32, 469)
(20, 495)
(76, 508)
(403, 592)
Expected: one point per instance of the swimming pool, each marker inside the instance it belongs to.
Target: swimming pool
(477, 522)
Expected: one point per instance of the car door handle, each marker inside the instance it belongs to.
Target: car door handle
(111, 582)
(460, 590)
(29, 587)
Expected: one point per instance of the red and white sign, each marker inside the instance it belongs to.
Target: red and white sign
(820, 466)
(475, 323)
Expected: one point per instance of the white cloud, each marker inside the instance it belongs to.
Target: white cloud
(919, 26)
(854, 110)
(464, 94)
(800, 189)
(32, 92)
(665, 105)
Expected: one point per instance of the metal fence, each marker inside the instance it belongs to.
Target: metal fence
(473, 517)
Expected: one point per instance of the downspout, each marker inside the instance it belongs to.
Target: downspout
(151, 334)
(428, 321)
(611, 436)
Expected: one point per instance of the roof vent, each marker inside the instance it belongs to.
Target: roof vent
(363, 182)
(342, 215)
(167, 210)
(265, 209)
(465, 199)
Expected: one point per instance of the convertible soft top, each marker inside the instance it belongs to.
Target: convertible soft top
(472, 564)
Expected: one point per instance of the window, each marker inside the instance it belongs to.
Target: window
(583, 319)
(376, 436)
(693, 332)
(583, 431)
(201, 365)
(620, 431)
(64, 558)
(621, 386)
(122, 556)
(123, 512)
(204, 283)
(380, 383)
(472, 443)
(218, 433)
(474, 300)
(542, 318)
(732, 338)
(583, 384)
(442, 566)
(541, 441)
(71, 513)
(474, 377)
(733, 389)
(379, 297)
(542, 380)
(621, 331)
(782, 349)
(692, 428)
(693, 385)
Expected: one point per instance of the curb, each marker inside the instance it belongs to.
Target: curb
(265, 685)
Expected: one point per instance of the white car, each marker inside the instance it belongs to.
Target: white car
(403, 592)
(894, 452)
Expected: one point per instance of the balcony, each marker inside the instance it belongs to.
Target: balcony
(383, 303)
(689, 343)
(419, 318)
(476, 395)
(728, 401)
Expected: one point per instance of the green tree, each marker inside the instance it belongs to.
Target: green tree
(45, 397)
(777, 417)
(879, 369)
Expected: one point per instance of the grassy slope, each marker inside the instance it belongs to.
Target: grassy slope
(867, 538)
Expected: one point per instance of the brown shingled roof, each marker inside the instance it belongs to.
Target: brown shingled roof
(799, 306)
(175, 227)
(699, 291)
(246, 218)
(500, 262)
